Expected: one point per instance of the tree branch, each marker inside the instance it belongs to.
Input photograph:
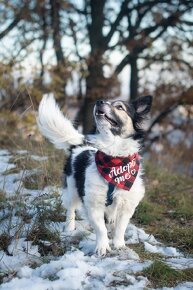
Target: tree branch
(162, 59)
(162, 115)
(123, 63)
(14, 23)
(185, 98)
(189, 23)
(114, 26)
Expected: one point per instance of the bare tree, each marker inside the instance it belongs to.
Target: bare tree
(136, 26)
(147, 22)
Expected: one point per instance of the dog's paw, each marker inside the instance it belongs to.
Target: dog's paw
(118, 244)
(102, 248)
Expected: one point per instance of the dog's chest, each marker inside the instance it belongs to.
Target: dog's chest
(96, 187)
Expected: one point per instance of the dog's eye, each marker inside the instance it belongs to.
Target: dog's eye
(119, 107)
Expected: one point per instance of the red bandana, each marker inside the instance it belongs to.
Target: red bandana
(119, 171)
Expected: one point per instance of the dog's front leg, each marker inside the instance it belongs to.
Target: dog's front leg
(96, 217)
(124, 214)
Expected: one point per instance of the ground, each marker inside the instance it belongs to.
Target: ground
(35, 252)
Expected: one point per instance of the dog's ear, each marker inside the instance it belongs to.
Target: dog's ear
(142, 105)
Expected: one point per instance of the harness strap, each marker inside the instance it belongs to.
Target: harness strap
(110, 194)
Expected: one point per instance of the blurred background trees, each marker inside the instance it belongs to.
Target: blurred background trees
(85, 50)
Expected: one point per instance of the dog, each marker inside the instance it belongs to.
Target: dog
(104, 171)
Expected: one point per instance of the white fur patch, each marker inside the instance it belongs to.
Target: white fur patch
(55, 126)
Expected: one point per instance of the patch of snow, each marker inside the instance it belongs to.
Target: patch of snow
(38, 158)
(165, 251)
(4, 152)
(21, 252)
(25, 272)
(77, 271)
(21, 152)
(136, 235)
(4, 161)
(12, 183)
(33, 283)
(180, 263)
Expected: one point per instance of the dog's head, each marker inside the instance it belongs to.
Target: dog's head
(121, 118)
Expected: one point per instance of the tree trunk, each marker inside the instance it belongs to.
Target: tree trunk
(94, 91)
(134, 78)
(87, 116)
(56, 30)
(95, 80)
(60, 71)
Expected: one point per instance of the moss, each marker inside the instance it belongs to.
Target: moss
(146, 213)
(175, 236)
(161, 275)
(183, 210)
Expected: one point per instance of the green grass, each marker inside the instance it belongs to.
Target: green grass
(147, 213)
(161, 275)
(181, 237)
(167, 209)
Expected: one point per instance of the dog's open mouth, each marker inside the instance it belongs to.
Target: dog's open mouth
(110, 120)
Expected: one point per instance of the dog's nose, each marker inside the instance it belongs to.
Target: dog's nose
(99, 102)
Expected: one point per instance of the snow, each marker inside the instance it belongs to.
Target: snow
(4, 161)
(77, 271)
(180, 263)
(12, 183)
(165, 251)
(39, 158)
(78, 268)
(20, 252)
(135, 235)
(22, 152)
(34, 157)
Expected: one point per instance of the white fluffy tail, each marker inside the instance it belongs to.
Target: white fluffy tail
(55, 126)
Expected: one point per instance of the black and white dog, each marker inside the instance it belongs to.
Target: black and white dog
(103, 170)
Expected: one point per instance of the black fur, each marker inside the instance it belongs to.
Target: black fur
(67, 169)
(137, 116)
(82, 161)
(141, 107)
(68, 166)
